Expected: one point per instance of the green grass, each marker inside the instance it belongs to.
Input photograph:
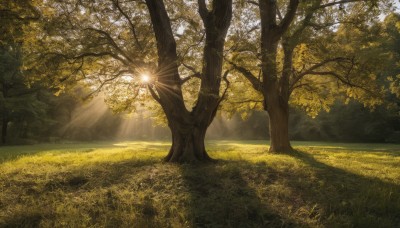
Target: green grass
(126, 185)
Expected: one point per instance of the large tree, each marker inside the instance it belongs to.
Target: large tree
(298, 58)
(16, 98)
(109, 44)
(11, 82)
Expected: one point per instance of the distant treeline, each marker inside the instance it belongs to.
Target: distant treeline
(48, 118)
(344, 123)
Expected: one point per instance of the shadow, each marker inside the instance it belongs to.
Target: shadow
(103, 181)
(220, 196)
(23, 220)
(375, 148)
(193, 195)
(147, 193)
(345, 199)
(111, 175)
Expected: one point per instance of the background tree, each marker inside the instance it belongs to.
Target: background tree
(389, 44)
(16, 99)
(298, 58)
(10, 81)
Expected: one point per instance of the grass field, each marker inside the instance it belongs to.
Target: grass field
(126, 185)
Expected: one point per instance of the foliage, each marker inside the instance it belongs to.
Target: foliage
(390, 44)
(20, 105)
(336, 53)
(107, 47)
(347, 123)
(125, 185)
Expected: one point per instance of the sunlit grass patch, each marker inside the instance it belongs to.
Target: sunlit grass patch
(125, 184)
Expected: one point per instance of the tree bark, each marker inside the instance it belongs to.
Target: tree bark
(189, 128)
(277, 100)
(4, 128)
(278, 115)
(275, 89)
(188, 144)
(5, 120)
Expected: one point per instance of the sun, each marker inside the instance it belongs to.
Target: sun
(145, 78)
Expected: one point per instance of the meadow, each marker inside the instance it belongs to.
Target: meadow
(125, 184)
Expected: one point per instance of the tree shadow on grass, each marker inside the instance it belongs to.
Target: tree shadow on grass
(224, 194)
(383, 150)
(25, 219)
(346, 199)
(162, 195)
(218, 195)
(221, 197)
(102, 180)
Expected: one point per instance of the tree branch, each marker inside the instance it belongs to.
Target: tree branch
(291, 13)
(247, 101)
(225, 78)
(295, 37)
(316, 66)
(253, 3)
(338, 2)
(203, 11)
(343, 80)
(153, 94)
(132, 26)
(279, 13)
(195, 74)
(88, 54)
(111, 42)
(183, 80)
(247, 74)
(193, 45)
(191, 68)
(103, 83)
(309, 15)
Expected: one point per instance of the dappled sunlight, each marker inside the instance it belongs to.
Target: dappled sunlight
(144, 144)
(13, 152)
(373, 165)
(126, 183)
(355, 147)
(49, 161)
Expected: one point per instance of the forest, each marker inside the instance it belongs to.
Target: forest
(200, 113)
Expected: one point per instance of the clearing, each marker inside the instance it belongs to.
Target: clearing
(125, 184)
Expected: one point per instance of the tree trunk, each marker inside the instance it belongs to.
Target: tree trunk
(279, 131)
(278, 114)
(5, 120)
(4, 128)
(189, 128)
(187, 144)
